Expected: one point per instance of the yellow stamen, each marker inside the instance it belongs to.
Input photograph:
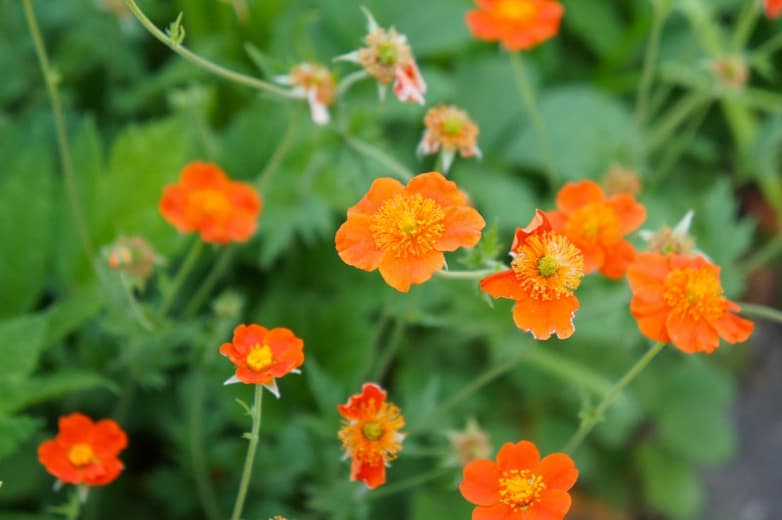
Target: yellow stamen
(519, 489)
(80, 454)
(408, 226)
(260, 357)
(696, 293)
(548, 266)
(595, 223)
(517, 10)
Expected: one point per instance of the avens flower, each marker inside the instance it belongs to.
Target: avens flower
(468, 445)
(370, 434)
(597, 224)
(518, 24)
(449, 130)
(403, 230)
(666, 241)
(545, 270)
(316, 84)
(619, 179)
(773, 8)
(132, 256)
(520, 486)
(207, 201)
(731, 71)
(84, 452)
(262, 355)
(679, 299)
(388, 57)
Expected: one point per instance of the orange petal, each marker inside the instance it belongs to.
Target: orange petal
(576, 195)
(74, 428)
(542, 318)
(498, 511)
(463, 227)
(522, 455)
(554, 505)
(538, 224)
(355, 244)
(481, 483)
(557, 219)
(100, 474)
(647, 272)
(366, 403)
(245, 336)
(631, 214)
(558, 471)
(733, 329)
(54, 458)
(372, 474)
(434, 186)
(594, 257)
(617, 259)
(651, 317)
(691, 336)
(199, 174)
(400, 273)
(108, 439)
(482, 25)
(503, 285)
(380, 191)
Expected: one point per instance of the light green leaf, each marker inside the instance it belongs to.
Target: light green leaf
(669, 485)
(14, 431)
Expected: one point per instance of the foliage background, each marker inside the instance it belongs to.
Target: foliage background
(136, 114)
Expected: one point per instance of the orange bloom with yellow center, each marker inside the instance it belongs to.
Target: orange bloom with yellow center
(404, 230)
(207, 201)
(518, 24)
(545, 270)
(261, 355)
(597, 224)
(679, 299)
(370, 434)
(773, 8)
(84, 452)
(520, 486)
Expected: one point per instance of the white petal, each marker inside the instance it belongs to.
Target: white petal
(231, 380)
(371, 22)
(272, 387)
(447, 158)
(684, 224)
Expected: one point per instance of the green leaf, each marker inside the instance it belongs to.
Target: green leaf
(14, 431)
(44, 388)
(669, 485)
(21, 342)
(597, 24)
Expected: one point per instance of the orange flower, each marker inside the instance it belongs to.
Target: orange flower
(404, 230)
(315, 83)
(370, 435)
(773, 8)
(450, 129)
(518, 24)
(207, 201)
(84, 452)
(596, 224)
(679, 299)
(262, 355)
(545, 270)
(520, 486)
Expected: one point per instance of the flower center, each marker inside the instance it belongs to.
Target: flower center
(387, 53)
(372, 430)
(408, 226)
(80, 454)
(595, 223)
(452, 125)
(260, 357)
(210, 203)
(548, 266)
(517, 10)
(696, 293)
(520, 488)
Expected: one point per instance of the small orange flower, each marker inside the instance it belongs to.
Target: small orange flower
(597, 224)
(261, 355)
(316, 84)
(84, 452)
(679, 299)
(370, 435)
(773, 8)
(545, 270)
(520, 486)
(404, 230)
(518, 24)
(450, 129)
(207, 201)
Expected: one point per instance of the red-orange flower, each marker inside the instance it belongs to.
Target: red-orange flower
(679, 299)
(520, 486)
(597, 224)
(545, 270)
(207, 201)
(261, 355)
(370, 434)
(404, 230)
(84, 452)
(773, 8)
(518, 24)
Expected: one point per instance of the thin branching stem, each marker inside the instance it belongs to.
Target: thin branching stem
(253, 437)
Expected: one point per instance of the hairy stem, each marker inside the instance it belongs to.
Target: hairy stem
(250, 459)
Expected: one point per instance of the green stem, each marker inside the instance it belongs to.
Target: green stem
(650, 61)
(373, 153)
(392, 347)
(179, 280)
(404, 485)
(677, 148)
(50, 78)
(135, 309)
(73, 508)
(206, 287)
(203, 63)
(279, 153)
(591, 419)
(528, 97)
(746, 23)
(754, 310)
(673, 118)
(250, 459)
